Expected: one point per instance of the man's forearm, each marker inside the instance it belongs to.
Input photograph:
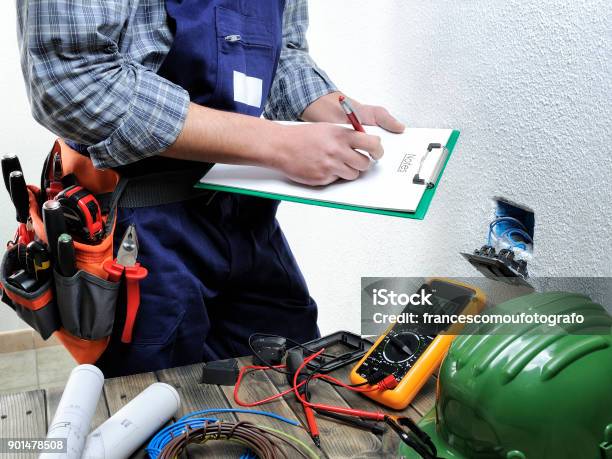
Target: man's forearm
(312, 154)
(216, 136)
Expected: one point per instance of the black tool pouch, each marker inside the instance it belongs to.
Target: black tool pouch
(86, 304)
(38, 308)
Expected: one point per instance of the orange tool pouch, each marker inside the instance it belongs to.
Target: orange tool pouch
(78, 310)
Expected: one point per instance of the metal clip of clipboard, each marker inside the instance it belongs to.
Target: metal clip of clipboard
(431, 181)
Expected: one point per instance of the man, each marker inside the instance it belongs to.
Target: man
(154, 87)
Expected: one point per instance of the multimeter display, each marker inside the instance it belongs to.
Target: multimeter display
(403, 344)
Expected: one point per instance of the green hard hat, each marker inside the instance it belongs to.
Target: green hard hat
(526, 394)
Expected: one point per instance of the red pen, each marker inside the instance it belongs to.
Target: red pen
(350, 114)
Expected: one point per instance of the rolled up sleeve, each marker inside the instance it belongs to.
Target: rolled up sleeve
(298, 81)
(83, 89)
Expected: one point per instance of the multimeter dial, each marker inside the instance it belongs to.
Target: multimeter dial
(395, 354)
(401, 347)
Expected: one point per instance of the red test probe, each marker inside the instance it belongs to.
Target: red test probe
(298, 383)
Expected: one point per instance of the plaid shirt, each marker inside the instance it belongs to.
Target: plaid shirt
(90, 72)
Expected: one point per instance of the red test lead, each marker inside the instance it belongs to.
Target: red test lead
(350, 114)
(312, 425)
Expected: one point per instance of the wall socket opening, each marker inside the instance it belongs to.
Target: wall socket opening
(512, 228)
(509, 243)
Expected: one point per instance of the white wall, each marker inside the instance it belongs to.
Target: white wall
(19, 133)
(526, 82)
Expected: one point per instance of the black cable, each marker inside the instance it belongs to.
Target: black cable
(373, 427)
(311, 373)
(320, 368)
(289, 340)
(266, 363)
(317, 370)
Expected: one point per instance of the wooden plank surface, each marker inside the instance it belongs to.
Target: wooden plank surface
(28, 414)
(390, 441)
(257, 386)
(196, 396)
(23, 415)
(181, 376)
(337, 440)
(119, 391)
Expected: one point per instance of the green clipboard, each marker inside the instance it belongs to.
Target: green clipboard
(418, 214)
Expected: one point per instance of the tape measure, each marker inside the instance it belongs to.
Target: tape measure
(409, 352)
(82, 213)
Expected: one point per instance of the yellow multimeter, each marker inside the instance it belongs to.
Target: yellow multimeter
(412, 353)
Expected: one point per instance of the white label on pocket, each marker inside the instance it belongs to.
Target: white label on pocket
(247, 90)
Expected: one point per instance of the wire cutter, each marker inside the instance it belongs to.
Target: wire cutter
(126, 263)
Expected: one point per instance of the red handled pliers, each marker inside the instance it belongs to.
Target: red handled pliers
(134, 273)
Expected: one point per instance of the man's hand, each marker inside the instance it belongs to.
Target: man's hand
(312, 154)
(372, 115)
(327, 109)
(319, 154)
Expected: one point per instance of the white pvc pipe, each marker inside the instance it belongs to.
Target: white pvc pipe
(75, 411)
(127, 430)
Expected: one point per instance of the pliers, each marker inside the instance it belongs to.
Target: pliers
(134, 273)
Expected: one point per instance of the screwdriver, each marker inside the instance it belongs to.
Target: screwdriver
(66, 262)
(21, 201)
(55, 226)
(10, 163)
(20, 196)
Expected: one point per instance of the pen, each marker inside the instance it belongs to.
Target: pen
(350, 114)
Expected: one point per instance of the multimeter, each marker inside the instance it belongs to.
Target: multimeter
(413, 352)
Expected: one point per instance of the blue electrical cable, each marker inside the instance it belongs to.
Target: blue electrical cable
(240, 410)
(518, 229)
(189, 421)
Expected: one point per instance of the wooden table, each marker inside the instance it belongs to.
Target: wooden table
(27, 414)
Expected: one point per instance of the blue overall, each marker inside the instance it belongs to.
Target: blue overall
(219, 269)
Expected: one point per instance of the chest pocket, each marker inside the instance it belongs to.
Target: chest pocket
(247, 56)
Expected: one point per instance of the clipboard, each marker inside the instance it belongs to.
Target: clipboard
(227, 179)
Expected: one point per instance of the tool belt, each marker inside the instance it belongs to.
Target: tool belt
(80, 310)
